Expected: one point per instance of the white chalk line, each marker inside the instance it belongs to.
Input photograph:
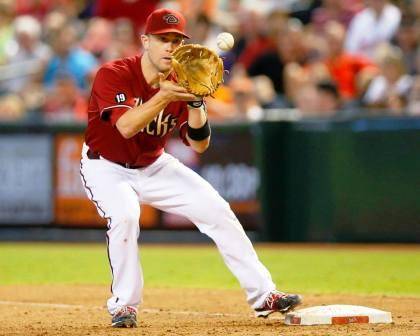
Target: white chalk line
(40, 304)
(144, 310)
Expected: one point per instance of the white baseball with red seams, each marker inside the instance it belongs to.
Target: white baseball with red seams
(225, 41)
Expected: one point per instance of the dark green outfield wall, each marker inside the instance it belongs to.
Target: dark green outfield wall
(340, 181)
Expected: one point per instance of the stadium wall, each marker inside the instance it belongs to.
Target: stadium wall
(320, 180)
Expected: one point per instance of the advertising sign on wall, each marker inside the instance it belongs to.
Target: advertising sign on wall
(26, 183)
(72, 207)
(228, 165)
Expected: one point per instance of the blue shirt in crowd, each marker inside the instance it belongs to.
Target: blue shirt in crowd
(78, 64)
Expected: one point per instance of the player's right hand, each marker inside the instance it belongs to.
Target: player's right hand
(171, 91)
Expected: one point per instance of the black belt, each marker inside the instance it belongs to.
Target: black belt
(95, 156)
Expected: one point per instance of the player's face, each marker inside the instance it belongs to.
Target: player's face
(159, 48)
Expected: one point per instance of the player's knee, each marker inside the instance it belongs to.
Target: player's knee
(217, 217)
(218, 207)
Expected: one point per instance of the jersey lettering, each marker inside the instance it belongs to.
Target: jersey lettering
(160, 125)
(137, 101)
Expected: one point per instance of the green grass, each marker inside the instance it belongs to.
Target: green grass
(310, 270)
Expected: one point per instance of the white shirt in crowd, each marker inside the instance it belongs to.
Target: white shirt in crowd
(379, 89)
(367, 30)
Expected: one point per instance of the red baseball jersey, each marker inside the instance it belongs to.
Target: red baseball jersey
(119, 86)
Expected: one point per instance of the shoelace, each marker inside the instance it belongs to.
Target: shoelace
(271, 299)
(125, 311)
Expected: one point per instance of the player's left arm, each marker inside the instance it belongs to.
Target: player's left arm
(198, 132)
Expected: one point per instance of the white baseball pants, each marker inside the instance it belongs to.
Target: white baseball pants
(170, 186)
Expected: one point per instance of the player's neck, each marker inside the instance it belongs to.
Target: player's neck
(150, 73)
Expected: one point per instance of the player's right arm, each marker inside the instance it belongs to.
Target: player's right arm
(135, 119)
(116, 102)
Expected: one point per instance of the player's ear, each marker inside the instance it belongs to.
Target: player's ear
(145, 40)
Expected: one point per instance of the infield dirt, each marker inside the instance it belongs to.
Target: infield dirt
(79, 310)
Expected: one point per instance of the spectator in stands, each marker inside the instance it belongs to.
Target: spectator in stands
(69, 58)
(53, 22)
(135, 10)
(321, 100)
(124, 43)
(343, 67)
(275, 23)
(408, 39)
(194, 8)
(303, 10)
(36, 8)
(245, 98)
(413, 104)
(98, 37)
(310, 69)
(417, 61)
(65, 102)
(416, 8)
(410, 7)
(12, 108)
(341, 11)
(200, 29)
(391, 87)
(6, 31)
(26, 54)
(305, 100)
(41, 8)
(265, 93)
(329, 101)
(33, 96)
(253, 37)
(239, 99)
(220, 107)
(375, 24)
(262, 6)
(289, 48)
(268, 45)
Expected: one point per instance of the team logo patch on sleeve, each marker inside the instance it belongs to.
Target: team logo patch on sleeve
(120, 98)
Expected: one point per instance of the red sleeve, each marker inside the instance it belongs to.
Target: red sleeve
(113, 95)
(182, 124)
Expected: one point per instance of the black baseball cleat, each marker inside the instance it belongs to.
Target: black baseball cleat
(278, 302)
(125, 317)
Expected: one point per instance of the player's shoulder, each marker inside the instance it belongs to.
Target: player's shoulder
(121, 63)
(122, 67)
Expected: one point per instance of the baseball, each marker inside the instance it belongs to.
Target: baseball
(225, 41)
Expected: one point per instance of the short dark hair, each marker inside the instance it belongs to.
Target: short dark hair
(328, 86)
(203, 18)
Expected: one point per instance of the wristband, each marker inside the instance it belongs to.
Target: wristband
(196, 103)
(199, 134)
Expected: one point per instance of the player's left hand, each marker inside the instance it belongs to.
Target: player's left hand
(199, 69)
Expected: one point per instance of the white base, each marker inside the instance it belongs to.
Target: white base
(337, 314)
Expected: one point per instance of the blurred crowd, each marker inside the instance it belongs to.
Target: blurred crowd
(319, 58)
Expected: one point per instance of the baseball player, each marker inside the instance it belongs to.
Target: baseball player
(134, 107)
